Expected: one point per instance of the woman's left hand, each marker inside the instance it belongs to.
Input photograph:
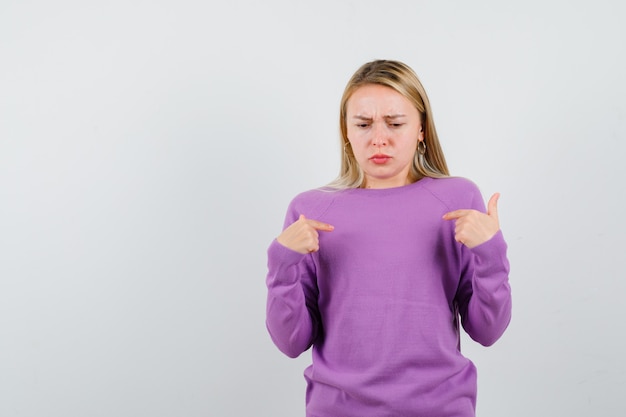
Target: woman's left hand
(472, 227)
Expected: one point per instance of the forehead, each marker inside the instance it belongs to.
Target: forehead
(378, 99)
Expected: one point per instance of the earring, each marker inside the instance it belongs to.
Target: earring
(421, 147)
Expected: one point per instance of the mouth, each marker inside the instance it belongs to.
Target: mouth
(379, 158)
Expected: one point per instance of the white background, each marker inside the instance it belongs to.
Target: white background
(149, 149)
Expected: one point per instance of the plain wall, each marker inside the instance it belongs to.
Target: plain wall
(149, 149)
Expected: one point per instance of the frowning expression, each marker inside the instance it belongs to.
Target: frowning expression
(383, 128)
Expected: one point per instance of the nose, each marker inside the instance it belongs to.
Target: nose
(379, 136)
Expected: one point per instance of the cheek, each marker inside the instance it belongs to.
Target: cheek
(353, 134)
(409, 148)
(359, 152)
(357, 142)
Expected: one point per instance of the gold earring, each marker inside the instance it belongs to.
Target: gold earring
(421, 147)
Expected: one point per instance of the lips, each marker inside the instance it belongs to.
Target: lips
(379, 158)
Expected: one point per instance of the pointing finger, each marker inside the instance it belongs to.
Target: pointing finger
(456, 214)
(317, 225)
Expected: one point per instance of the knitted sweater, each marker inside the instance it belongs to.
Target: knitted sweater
(383, 299)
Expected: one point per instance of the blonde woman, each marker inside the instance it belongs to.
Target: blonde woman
(378, 271)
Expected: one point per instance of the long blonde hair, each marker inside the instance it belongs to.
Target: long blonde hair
(401, 78)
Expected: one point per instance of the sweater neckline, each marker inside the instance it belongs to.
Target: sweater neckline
(390, 191)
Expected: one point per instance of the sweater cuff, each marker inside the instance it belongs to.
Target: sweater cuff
(279, 255)
(492, 251)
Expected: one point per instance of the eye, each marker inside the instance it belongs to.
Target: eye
(396, 125)
(362, 125)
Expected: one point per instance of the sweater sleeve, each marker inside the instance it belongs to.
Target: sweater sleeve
(291, 315)
(484, 293)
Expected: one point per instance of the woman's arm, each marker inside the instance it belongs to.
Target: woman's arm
(484, 294)
(292, 317)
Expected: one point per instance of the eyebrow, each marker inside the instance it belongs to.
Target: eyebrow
(387, 117)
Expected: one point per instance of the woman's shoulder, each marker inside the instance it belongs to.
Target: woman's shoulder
(454, 191)
(314, 202)
(316, 195)
(452, 184)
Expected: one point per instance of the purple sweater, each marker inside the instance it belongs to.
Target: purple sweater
(380, 301)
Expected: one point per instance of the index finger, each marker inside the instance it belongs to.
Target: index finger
(456, 214)
(317, 225)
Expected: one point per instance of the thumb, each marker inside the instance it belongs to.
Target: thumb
(492, 206)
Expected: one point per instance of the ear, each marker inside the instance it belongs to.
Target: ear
(420, 135)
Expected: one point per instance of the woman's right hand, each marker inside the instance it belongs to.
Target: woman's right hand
(302, 235)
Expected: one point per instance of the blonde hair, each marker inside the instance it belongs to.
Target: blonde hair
(401, 78)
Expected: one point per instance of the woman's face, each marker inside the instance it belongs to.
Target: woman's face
(383, 129)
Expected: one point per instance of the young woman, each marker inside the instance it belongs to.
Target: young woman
(378, 270)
